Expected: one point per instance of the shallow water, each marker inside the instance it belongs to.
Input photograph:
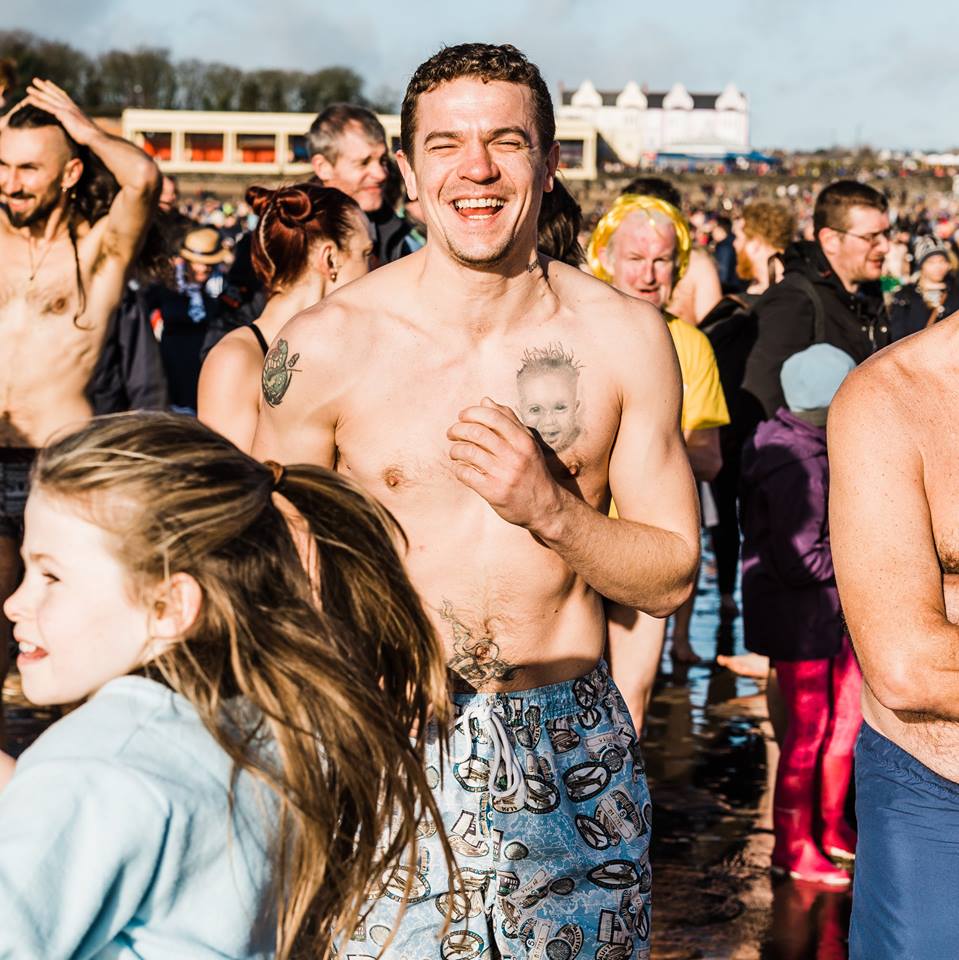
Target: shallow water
(710, 757)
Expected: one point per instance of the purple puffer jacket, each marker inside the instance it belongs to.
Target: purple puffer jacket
(790, 603)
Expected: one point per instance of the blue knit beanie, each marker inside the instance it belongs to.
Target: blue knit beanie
(811, 378)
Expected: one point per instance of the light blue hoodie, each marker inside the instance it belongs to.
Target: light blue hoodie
(116, 841)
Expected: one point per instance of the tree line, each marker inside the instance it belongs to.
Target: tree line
(147, 77)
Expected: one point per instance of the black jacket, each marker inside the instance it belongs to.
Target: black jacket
(391, 230)
(908, 312)
(129, 373)
(181, 340)
(855, 323)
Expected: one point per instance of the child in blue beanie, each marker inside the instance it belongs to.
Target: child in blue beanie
(791, 614)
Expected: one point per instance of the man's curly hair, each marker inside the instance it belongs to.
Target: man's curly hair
(773, 222)
(486, 62)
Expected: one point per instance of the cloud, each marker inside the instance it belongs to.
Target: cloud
(814, 72)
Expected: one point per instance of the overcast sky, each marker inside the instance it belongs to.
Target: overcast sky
(817, 72)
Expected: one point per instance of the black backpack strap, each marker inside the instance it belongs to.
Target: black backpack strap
(803, 282)
(738, 300)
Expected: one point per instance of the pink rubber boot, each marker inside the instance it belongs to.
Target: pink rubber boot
(805, 687)
(838, 838)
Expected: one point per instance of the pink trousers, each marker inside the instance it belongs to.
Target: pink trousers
(815, 765)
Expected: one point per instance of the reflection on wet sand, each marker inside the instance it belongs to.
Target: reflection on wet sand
(807, 923)
(711, 757)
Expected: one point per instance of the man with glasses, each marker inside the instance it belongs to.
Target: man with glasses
(830, 291)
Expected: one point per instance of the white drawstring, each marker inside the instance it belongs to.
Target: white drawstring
(503, 754)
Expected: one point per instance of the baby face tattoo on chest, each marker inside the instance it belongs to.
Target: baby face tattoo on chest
(548, 387)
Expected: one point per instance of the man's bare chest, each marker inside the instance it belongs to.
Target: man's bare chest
(941, 480)
(392, 432)
(55, 297)
(49, 329)
(48, 280)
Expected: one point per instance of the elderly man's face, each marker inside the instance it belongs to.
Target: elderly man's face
(641, 258)
(360, 170)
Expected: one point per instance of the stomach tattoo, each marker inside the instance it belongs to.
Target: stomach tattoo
(476, 656)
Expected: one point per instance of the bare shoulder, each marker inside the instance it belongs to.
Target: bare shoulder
(893, 410)
(345, 326)
(237, 353)
(701, 263)
(900, 384)
(633, 331)
(380, 289)
(599, 303)
(333, 328)
(229, 386)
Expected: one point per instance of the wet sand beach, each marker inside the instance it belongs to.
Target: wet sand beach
(710, 757)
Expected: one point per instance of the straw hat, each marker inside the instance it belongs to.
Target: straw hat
(203, 246)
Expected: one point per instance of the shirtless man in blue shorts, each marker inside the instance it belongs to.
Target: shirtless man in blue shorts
(894, 525)
(493, 399)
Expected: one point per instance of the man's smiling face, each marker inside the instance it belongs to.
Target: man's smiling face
(478, 169)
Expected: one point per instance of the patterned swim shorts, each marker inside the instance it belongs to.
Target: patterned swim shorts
(547, 810)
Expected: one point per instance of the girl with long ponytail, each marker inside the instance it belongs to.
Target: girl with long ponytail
(241, 778)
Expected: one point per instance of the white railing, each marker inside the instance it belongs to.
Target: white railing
(274, 144)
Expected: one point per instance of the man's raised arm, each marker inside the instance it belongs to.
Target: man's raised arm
(648, 558)
(887, 568)
(136, 174)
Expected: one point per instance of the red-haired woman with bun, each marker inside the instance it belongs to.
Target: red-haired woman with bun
(309, 241)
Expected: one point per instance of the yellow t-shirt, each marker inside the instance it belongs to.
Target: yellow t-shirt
(704, 404)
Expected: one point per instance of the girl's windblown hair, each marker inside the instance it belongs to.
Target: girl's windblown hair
(337, 685)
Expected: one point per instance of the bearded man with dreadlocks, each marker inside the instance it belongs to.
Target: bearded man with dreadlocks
(75, 204)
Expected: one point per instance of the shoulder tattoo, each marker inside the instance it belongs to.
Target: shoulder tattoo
(278, 370)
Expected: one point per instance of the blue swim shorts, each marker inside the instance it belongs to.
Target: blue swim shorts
(907, 858)
(546, 807)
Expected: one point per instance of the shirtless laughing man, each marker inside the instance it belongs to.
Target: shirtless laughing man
(493, 400)
(894, 526)
(64, 254)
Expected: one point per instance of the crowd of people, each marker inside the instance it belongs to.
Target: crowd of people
(348, 521)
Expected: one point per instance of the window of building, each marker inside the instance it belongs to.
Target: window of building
(203, 147)
(571, 153)
(256, 147)
(158, 145)
(297, 150)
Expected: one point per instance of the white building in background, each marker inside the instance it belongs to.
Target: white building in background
(634, 122)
